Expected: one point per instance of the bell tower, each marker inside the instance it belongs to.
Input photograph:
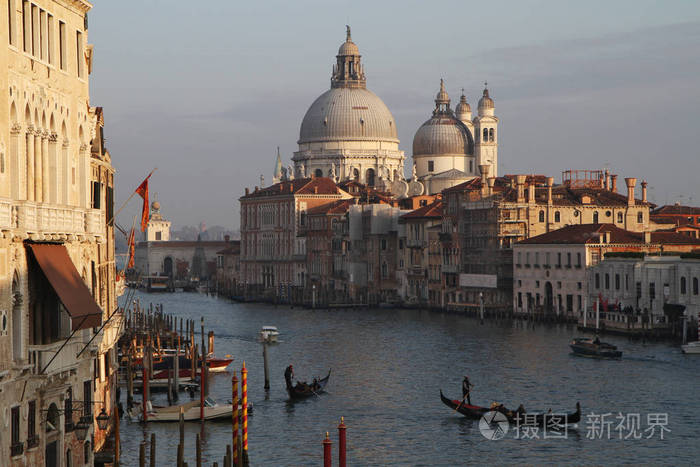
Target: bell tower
(486, 134)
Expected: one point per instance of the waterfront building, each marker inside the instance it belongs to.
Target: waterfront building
(549, 270)
(228, 268)
(635, 292)
(677, 218)
(273, 255)
(483, 218)
(178, 260)
(348, 133)
(416, 267)
(449, 147)
(57, 272)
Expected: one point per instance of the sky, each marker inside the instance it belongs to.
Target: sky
(206, 91)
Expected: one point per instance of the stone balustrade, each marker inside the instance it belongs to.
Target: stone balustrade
(41, 355)
(33, 217)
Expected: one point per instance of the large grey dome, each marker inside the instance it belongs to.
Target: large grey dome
(347, 113)
(443, 135)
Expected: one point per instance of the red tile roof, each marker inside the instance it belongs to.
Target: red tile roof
(340, 206)
(430, 211)
(676, 209)
(298, 186)
(590, 233)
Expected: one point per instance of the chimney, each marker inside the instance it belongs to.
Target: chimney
(550, 183)
(613, 183)
(520, 185)
(491, 182)
(247, 191)
(631, 183)
(644, 191)
(647, 237)
(605, 180)
(531, 192)
(316, 190)
(484, 170)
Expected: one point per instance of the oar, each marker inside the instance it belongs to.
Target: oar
(460, 404)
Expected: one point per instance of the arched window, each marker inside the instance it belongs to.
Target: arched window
(486, 135)
(607, 281)
(385, 270)
(595, 217)
(640, 217)
(318, 173)
(619, 218)
(695, 285)
(491, 134)
(597, 280)
(684, 286)
(557, 216)
(356, 174)
(86, 452)
(541, 216)
(69, 458)
(369, 177)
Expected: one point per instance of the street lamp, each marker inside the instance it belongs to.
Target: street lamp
(81, 429)
(103, 420)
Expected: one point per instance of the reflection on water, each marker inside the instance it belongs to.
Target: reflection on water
(388, 367)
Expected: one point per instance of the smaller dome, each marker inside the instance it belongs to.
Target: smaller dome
(463, 107)
(155, 205)
(442, 97)
(486, 102)
(348, 48)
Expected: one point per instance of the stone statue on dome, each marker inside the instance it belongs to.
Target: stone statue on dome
(290, 173)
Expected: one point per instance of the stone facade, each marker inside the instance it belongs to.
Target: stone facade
(56, 186)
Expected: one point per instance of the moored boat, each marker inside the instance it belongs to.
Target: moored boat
(589, 347)
(303, 390)
(691, 347)
(191, 411)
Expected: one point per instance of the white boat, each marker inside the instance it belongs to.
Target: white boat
(691, 347)
(212, 411)
(269, 334)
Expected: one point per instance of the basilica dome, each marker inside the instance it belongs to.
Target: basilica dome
(348, 113)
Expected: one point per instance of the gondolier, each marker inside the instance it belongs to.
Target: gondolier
(466, 389)
(289, 375)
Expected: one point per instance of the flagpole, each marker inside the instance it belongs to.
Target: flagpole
(133, 226)
(129, 198)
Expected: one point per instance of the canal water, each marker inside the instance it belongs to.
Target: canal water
(388, 367)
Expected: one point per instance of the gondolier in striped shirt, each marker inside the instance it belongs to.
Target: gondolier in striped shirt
(466, 389)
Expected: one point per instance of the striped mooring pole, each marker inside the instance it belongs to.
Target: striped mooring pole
(234, 410)
(244, 392)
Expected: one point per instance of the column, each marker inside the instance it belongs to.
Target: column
(83, 177)
(65, 173)
(54, 169)
(29, 147)
(46, 169)
(38, 166)
(15, 163)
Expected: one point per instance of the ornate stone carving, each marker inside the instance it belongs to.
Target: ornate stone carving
(83, 147)
(16, 128)
(30, 130)
(53, 137)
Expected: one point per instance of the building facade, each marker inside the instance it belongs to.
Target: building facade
(56, 244)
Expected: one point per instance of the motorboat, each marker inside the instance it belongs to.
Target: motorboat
(269, 334)
(588, 347)
(691, 347)
(191, 411)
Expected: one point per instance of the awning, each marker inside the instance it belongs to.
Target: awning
(69, 286)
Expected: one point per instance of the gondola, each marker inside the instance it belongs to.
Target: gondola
(303, 390)
(475, 412)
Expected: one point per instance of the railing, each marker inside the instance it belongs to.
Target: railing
(41, 355)
(450, 268)
(416, 270)
(415, 243)
(35, 217)
(5, 215)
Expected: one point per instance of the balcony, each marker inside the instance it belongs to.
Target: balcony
(41, 355)
(415, 243)
(450, 268)
(416, 271)
(44, 218)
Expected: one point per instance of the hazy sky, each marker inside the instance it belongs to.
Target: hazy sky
(206, 91)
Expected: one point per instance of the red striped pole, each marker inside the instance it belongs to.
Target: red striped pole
(327, 451)
(341, 443)
(234, 411)
(244, 391)
(144, 376)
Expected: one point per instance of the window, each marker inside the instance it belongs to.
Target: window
(607, 281)
(79, 53)
(471, 166)
(640, 217)
(50, 40)
(87, 398)
(86, 452)
(96, 191)
(541, 216)
(558, 260)
(16, 448)
(383, 244)
(401, 244)
(431, 166)
(639, 289)
(652, 290)
(62, 47)
(595, 217)
(385, 270)
(32, 439)
(159, 236)
(579, 285)
(68, 410)
(627, 281)
(578, 260)
(695, 285)
(27, 29)
(491, 134)
(580, 305)
(597, 280)
(568, 260)
(619, 218)
(486, 135)
(617, 282)
(11, 21)
(557, 216)
(537, 259)
(684, 286)
(546, 259)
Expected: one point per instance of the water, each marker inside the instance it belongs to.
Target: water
(388, 367)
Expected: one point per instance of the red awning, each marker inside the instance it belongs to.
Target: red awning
(69, 286)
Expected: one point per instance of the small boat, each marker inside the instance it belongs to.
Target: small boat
(303, 390)
(691, 347)
(475, 412)
(269, 334)
(164, 361)
(589, 347)
(191, 411)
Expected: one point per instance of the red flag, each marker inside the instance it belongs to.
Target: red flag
(142, 190)
(132, 249)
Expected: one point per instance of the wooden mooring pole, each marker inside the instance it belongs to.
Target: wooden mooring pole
(342, 443)
(234, 417)
(327, 451)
